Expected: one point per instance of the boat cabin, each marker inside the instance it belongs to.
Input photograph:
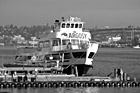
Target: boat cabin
(66, 34)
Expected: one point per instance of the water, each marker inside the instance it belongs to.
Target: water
(71, 90)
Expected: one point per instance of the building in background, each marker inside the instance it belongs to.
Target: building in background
(121, 36)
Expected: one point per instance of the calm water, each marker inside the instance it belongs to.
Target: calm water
(72, 90)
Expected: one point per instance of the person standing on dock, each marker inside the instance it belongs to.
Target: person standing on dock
(36, 72)
(25, 77)
(33, 58)
(120, 74)
(29, 76)
(5, 76)
(14, 76)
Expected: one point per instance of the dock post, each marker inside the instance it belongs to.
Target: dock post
(124, 76)
(118, 74)
(121, 74)
(72, 69)
(76, 71)
(115, 73)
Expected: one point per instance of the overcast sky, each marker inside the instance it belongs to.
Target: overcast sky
(112, 13)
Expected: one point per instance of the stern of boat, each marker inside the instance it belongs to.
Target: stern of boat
(91, 51)
(81, 66)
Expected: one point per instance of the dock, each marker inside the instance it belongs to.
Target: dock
(55, 81)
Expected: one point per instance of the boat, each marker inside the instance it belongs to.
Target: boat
(136, 46)
(67, 49)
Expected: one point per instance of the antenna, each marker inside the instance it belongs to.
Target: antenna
(63, 19)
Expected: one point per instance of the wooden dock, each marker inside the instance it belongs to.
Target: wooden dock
(54, 81)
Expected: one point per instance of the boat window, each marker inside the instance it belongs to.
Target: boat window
(91, 55)
(47, 43)
(72, 25)
(84, 44)
(74, 42)
(63, 25)
(68, 25)
(55, 43)
(65, 41)
(57, 25)
(80, 25)
(20, 58)
(56, 56)
(29, 57)
(67, 56)
(79, 54)
(47, 57)
(41, 44)
(76, 25)
(41, 57)
(17, 57)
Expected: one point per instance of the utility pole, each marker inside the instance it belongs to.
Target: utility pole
(132, 36)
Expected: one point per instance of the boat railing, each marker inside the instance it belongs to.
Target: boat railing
(56, 48)
(75, 47)
(64, 47)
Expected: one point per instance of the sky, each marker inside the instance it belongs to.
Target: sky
(100, 13)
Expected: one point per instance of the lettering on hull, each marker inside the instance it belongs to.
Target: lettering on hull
(75, 35)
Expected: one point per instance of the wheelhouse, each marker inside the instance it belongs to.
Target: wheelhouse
(66, 32)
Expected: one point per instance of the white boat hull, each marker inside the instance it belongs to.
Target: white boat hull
(91, 51)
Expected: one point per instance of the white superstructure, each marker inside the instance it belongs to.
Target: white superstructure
(65, 32)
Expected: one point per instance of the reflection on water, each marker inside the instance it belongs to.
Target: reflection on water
(71, 90)
(78, 90)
